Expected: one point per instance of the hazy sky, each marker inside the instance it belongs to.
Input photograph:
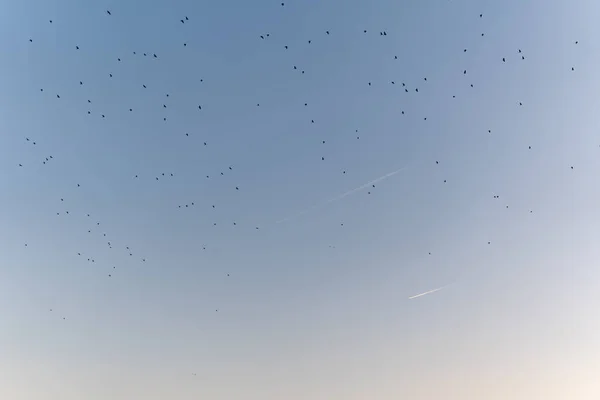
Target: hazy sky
(315, 303)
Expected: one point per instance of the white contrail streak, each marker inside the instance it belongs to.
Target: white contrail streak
(428, 292)
(341, 196)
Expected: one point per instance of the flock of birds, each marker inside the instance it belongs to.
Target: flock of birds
(96, 227)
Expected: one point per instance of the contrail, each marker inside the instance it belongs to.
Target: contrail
(341, 196)
(428, 292)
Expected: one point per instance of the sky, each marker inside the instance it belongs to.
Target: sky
(340, 194)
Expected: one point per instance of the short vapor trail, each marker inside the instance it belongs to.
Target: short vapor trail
(341, 196)
(428, 292)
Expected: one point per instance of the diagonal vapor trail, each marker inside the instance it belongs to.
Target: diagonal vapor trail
(341, 196)
(428, 292)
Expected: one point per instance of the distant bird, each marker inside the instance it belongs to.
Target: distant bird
(108, 12)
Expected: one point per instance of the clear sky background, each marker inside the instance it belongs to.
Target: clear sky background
(315, 306)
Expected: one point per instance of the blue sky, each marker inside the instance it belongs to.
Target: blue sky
(316, 306)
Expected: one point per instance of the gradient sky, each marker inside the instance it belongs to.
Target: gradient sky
(310, 309)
